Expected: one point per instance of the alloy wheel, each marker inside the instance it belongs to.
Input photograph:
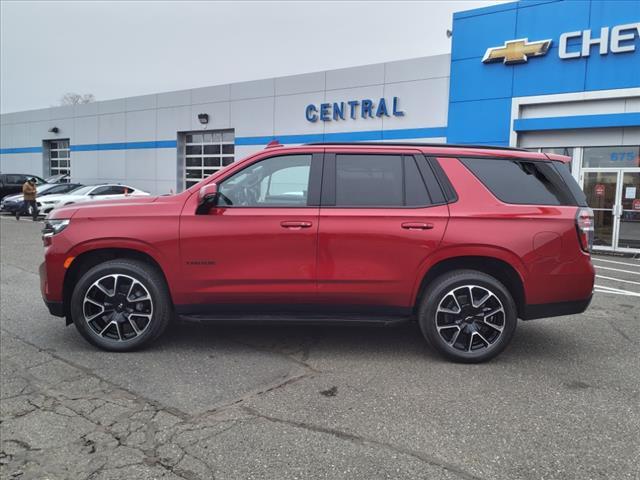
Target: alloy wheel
(470, 319)
(117, 307)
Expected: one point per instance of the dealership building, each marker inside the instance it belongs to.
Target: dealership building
(551, 75)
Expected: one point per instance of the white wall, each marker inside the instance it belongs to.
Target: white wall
(260, 108)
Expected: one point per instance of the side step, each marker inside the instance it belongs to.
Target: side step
(299, 319)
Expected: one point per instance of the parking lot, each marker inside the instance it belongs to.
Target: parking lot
(286, 402)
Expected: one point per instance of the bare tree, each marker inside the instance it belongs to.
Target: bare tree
(72, 98)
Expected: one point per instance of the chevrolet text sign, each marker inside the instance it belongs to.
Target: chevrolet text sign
(578, 44)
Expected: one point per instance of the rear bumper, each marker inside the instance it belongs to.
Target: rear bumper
(545, 310)
(55, 308)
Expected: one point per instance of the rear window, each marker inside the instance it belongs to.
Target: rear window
(564, 170)
(522, 181)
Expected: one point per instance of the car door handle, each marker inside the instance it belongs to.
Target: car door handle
(417, 226)
(295, 224)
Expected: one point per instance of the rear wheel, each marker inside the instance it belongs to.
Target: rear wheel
(468, 316)
(121, 305)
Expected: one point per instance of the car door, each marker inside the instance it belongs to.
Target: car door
(382, 215)
(258, 244)
(14, 183)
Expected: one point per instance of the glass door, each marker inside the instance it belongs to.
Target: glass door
(614, 197)
(629, 211)
(601, 191)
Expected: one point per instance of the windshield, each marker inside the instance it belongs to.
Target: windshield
(56, 178)
(75, 189)
(45, 187)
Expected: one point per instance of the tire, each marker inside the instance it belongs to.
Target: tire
(463, 330)
(128, 320)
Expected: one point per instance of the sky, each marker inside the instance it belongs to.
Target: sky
(116, 49)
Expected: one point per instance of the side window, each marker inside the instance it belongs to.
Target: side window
(369, 180)
(274, 182)
(416, 194)
(16, 179)
(521, 181)
(104, 190)
(117, 190)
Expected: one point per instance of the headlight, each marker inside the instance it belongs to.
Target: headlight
(53, 227)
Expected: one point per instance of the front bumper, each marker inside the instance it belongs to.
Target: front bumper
(545, 310)
(56, 307)
(44, 208)
(10, 207)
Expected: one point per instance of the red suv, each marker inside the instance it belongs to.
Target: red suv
(463, 239)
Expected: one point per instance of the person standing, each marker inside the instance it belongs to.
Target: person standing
(29, 196)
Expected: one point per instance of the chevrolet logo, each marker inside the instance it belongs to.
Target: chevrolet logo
(516, 51)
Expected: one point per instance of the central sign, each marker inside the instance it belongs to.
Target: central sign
(365, 108)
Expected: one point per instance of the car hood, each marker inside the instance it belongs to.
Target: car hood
(60, 198)
(12, 198)
(101, 207)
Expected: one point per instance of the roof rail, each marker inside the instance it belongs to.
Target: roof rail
(418, 144)
(273, 144)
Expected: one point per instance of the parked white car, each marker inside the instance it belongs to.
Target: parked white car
(86, 194)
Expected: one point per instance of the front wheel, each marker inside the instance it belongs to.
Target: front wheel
(468, 316)
(121, 305)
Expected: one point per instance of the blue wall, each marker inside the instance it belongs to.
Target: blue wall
(480, 98)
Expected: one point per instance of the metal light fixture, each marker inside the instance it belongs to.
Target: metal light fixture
(54, 130)
(203, 118)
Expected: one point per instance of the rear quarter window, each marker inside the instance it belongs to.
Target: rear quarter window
(521, 181)
(565, 172)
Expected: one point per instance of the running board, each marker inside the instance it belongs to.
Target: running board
(299, 319)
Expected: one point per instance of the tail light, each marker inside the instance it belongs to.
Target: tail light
(584, 227)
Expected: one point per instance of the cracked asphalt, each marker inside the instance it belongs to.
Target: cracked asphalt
(295, 402)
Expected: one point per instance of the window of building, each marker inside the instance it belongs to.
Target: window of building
(566, 151)
(59, 157)
(205, 153)
(274, 182)
(521, 182)
(611, 157)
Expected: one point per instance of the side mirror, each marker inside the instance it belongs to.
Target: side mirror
(207, 193)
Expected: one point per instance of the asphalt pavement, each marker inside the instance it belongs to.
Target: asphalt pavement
(301, 402)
